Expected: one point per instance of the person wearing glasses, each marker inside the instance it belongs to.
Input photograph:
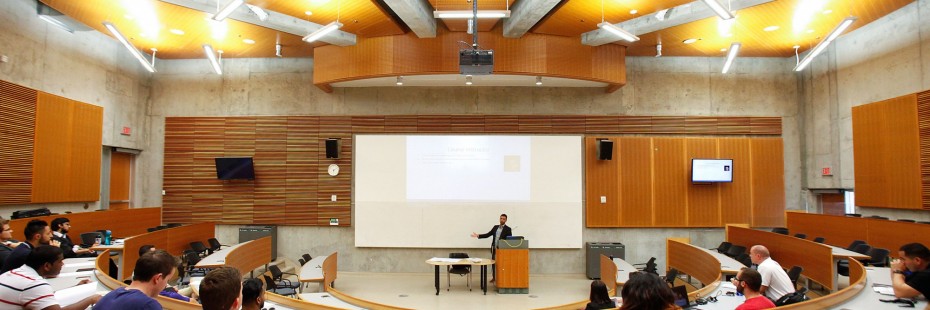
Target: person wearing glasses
(748, 282)
(7, 243)
(910, 272)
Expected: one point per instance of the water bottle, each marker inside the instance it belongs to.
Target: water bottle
(106, 237)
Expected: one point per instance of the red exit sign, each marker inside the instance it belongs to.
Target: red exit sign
(826, 171)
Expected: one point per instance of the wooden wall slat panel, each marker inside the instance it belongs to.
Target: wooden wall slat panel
(703, 199)
(671, 182)
(736, 197)
(888, 153)
(86, 154)
(66, 159)
(635, 156)
(292, 185)
(923, 126)
(17, 136)
(601, 179)
(768, 192)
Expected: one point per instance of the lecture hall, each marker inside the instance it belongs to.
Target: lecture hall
(467, 154)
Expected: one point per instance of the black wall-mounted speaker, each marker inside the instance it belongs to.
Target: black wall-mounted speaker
(605, 149)
(332, 148)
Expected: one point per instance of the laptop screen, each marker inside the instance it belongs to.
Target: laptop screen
(681, 295)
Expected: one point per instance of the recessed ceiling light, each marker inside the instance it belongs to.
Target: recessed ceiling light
(827, 12)
(723, 49)
(308, 13)
(810, 30)
(633, 11)
(144, 35)
(770, 28)
(127, 16)
(248, 41)
(689, 41)
(796, 46)
(177, 32)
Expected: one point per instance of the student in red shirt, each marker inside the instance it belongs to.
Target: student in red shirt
(749, 282)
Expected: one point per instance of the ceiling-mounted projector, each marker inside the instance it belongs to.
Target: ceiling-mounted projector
(476, 62)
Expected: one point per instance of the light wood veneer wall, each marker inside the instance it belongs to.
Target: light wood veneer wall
(51, 147)
(293, 188)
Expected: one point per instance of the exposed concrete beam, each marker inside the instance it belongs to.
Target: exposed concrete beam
(525, 14)
(679, 15)
(417, 14)
(276, 21)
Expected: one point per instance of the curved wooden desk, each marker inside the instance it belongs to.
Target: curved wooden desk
(816, 259)
(840, 231)
(696, 262)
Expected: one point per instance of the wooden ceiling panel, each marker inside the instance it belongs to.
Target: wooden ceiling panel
(361, 17)
(575, 17)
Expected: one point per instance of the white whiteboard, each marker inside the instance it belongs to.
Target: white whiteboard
(434, 191)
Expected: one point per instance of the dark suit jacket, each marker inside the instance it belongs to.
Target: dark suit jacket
(17, 258)
(504, 234)
(66, 246)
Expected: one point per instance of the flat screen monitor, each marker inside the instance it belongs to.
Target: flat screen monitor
(711, 170)
(234, 168)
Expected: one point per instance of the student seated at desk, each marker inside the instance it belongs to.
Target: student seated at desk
(775, 281)
(910, 276)
(253, 294)
(748, 282)
(60, 228)
(26, 288)
(151, 275)
(37, 233)
(600, 298)
(645, 291)
(221, 289)
(7, 243)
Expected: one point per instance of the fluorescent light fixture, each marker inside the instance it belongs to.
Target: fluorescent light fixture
(262, 15)
(538, 81)
(623, 34)
(319, 33)
(277, 50)
(56, 22)
(826, 42)
(468, 80)
(400, 81)
(208, 49)
(228, 9)
(471, 14)
(719, 9)
(132, 49)
(734, 50)
(661, 15)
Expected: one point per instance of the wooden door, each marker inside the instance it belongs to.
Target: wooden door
(833, 204)
(120, 180)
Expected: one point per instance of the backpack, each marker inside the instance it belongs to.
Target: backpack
(792, 298)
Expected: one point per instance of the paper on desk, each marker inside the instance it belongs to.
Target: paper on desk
(727, 284)
(884, 290)
(73, 295)
(445, 259)
(84, 264)
(75, 274)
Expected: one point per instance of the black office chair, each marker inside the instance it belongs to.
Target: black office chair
(89, 238)
(649, 266)
(862, 249)
(820, 239)
(735, 251)
(306, 257)
(878, 217)
(842, 267)
(744, 259)
(780, 230)
(172, 225)
(214, 245)
(853, 214)
(907, 220)
(794, 274)
(160, 227)
(924, 222)
(151, 229)
(670, 277)
(878, 257)
(302, 261)
(191, 258)
(461, 270)
(723, 247)
(800, 236)
(277, 274)
(854, 244)
(287, 290)
(201, 249)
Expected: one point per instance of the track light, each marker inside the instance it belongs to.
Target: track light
(731, 55)
(208, 49)
(826, 42)
(719, 9)
(538, 81)
(277, 50)
(471, 14)
(623, 34)
(468, 80)
(400, 81)
(262, 15)
(228, 9)
(659, 50)
(132, 49)
(319, 33)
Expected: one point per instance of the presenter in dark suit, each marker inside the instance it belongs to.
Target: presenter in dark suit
(497, 232)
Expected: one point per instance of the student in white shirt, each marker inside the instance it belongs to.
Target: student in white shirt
(775, 281)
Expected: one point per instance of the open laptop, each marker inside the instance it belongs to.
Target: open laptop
(681, 297)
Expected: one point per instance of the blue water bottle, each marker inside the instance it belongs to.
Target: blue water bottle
(106, 238)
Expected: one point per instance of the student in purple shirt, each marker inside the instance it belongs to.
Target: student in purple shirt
(151, 275)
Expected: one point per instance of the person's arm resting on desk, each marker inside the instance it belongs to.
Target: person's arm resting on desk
(902, 287)
(83, 304)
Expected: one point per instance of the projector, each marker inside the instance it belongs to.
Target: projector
(476, 62)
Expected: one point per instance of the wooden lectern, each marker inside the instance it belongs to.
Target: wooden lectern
(513, 266)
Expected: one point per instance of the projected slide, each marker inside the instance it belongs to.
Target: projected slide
(479, 168)
(433, 191)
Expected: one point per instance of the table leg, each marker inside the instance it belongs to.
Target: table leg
(484, 279)
(436, 278)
